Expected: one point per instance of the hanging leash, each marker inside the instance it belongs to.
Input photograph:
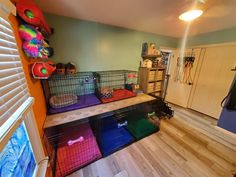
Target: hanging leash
(231, 96)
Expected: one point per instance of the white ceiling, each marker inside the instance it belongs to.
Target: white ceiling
(155, 16)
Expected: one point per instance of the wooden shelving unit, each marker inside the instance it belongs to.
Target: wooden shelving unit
(151, 80)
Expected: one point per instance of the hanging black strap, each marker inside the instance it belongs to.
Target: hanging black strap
(231, 104)
(231, 99)
(222, 102)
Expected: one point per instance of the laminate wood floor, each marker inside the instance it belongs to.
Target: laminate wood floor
(177, 150)
(206, 125)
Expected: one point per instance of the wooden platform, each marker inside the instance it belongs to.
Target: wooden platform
(66, 117)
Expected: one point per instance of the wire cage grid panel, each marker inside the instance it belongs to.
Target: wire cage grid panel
(115, 79)
(72, 154)
(79, 84)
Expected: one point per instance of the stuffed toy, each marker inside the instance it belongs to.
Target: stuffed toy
(34, 44)
(28, 33)
(42, 70)
(31, 14)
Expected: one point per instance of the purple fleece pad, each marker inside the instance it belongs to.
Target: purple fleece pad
(83, 101)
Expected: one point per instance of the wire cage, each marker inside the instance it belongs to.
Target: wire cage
(108, 127)
(114, 85)
(137, 121)
(115, 79)
(122, 127)
(68, 92)
(80, 83)
(71, 147)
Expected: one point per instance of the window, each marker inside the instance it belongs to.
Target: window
(17, 156)
(20, 150)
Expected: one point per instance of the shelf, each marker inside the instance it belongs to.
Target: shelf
(152, 80)
(154, 69)
(161, 68)
(150, 56)
(154, 91)
(155, 81)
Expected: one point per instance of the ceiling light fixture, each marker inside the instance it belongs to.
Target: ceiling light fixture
(190, 15)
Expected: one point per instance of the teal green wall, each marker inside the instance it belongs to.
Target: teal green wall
(223, 36)
(93, 46)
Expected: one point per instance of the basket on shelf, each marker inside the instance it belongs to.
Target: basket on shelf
(70, 68)
(60, 68)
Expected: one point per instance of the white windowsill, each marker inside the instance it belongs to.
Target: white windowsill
(42, 168)
(9, 127)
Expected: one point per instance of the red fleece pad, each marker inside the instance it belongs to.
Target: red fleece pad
(71, 158)
(118, 95)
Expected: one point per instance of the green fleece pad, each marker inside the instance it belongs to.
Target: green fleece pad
(141, 127)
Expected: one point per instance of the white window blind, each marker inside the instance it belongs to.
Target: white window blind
(13, 87)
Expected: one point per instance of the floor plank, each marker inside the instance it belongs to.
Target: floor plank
(122, 174)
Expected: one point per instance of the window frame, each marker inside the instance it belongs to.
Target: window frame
(23, 114)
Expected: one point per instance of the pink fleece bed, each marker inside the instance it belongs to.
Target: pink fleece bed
(73, 157)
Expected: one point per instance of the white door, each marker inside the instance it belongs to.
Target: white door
(214, 80)
(177, 91)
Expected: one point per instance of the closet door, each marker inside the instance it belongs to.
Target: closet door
(177, 91)
(214, 80)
